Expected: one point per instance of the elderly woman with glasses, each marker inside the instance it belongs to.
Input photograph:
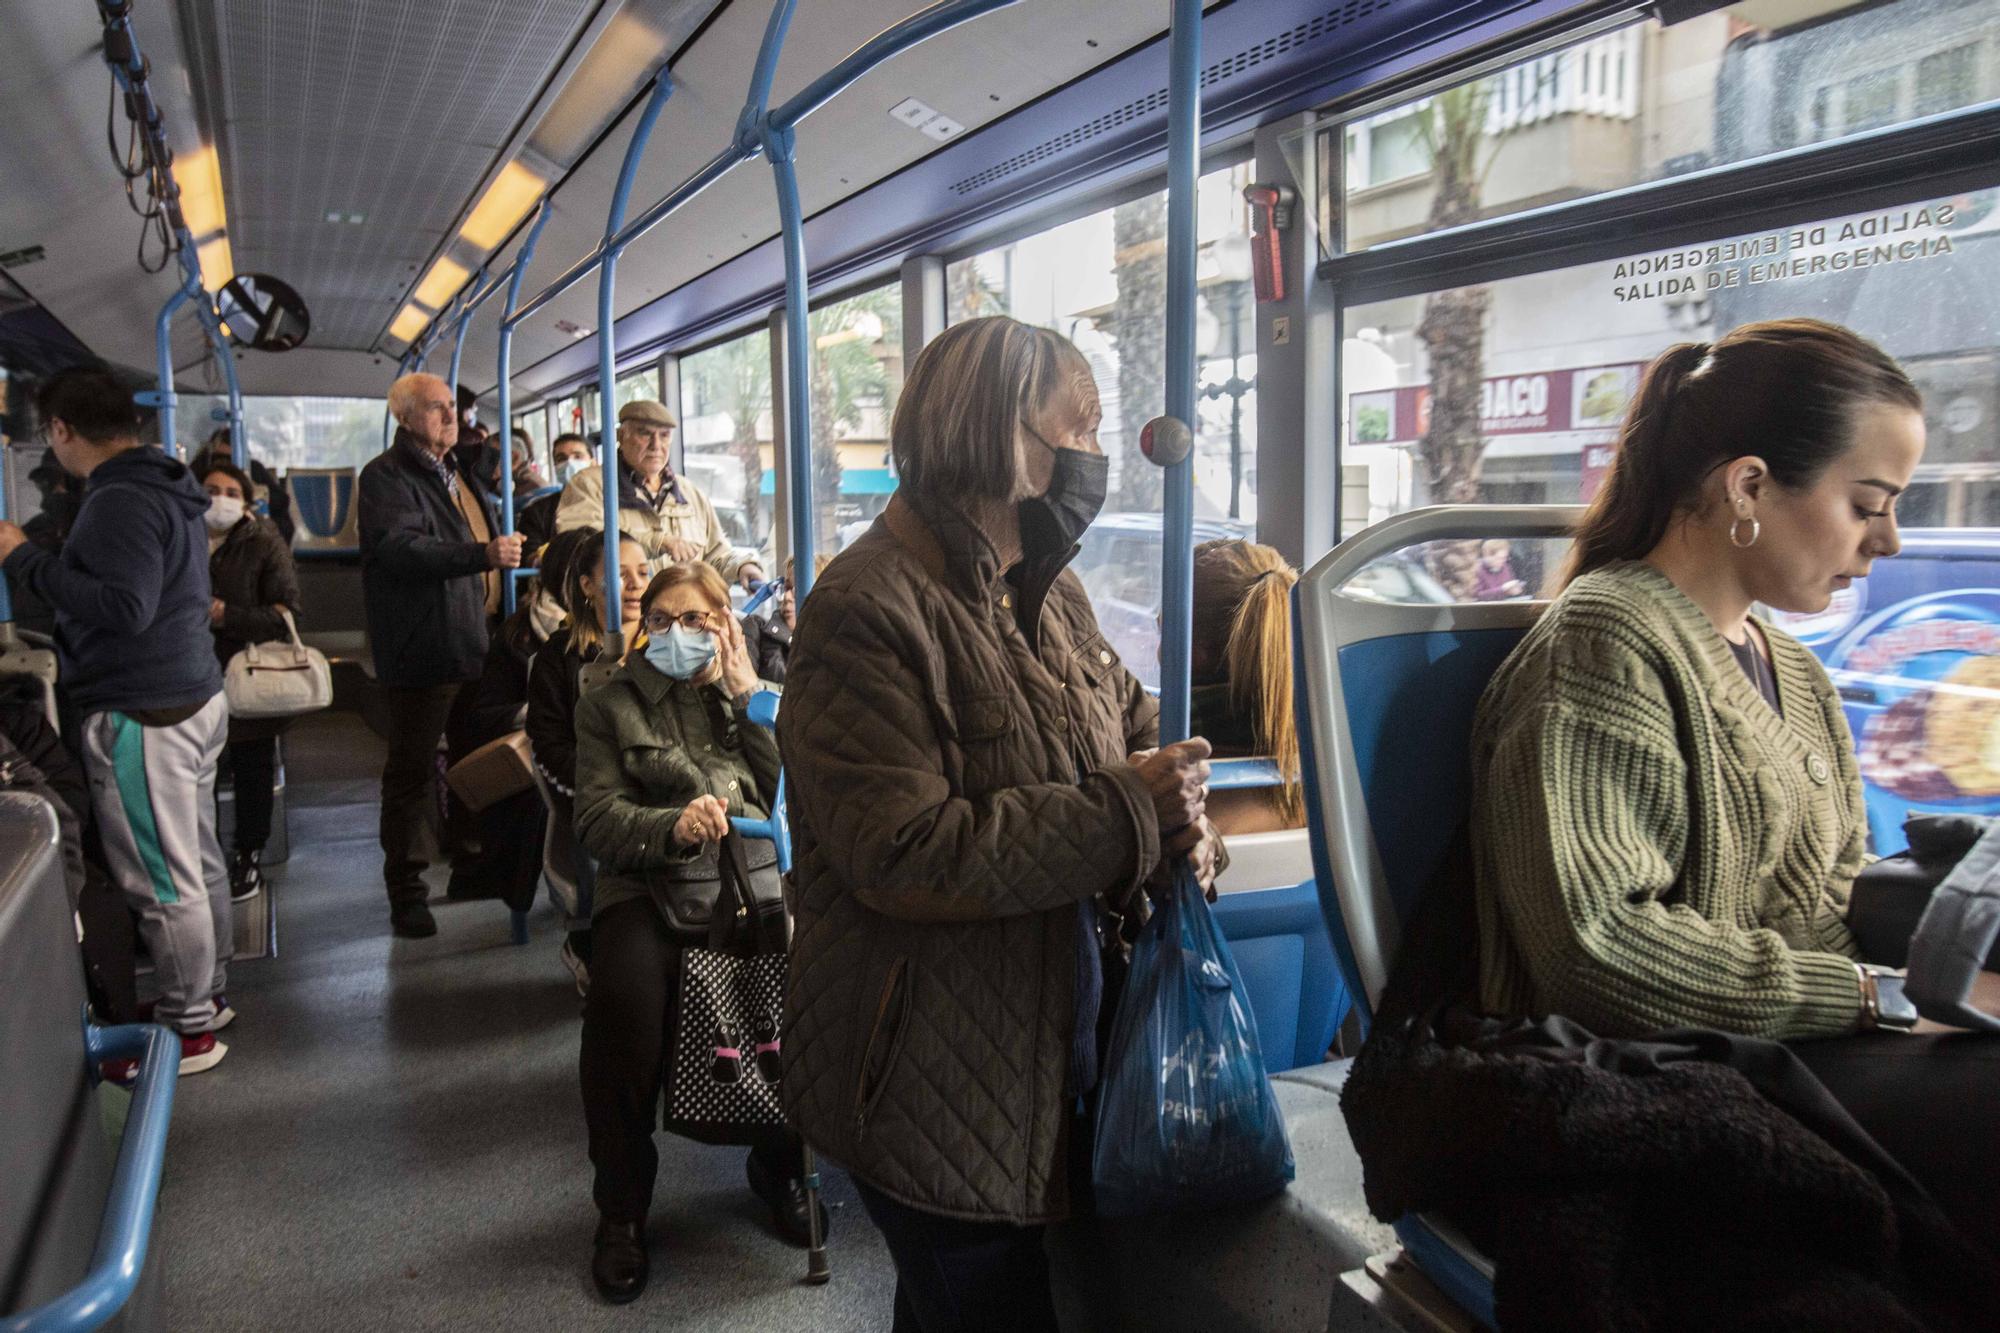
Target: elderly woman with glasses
(665, 757)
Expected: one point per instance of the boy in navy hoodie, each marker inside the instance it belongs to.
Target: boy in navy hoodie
(131, 595)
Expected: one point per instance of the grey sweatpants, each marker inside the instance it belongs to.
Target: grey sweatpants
(154, 792)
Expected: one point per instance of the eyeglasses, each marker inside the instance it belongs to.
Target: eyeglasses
(659, 622)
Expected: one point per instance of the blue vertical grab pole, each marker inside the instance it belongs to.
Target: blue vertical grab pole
(239, 445)
(798, 360)
(607, 354)
(163, 340)
(521, 262)
(777, 142)
(1183, 180)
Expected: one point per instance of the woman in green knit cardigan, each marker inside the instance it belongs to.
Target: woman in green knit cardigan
(1667, 814)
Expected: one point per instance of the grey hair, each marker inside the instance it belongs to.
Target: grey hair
(403, 393)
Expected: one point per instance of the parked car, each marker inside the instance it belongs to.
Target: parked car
(1120, 568)
(1396, 578)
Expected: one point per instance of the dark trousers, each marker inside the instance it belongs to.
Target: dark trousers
(634, 984)
(954, 1276)
(1933, 1103)
(416, 718)
(253, 768)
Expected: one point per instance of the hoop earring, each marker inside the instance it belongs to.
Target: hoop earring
(1756, 531)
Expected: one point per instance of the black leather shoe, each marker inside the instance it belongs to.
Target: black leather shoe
(787, 1201)
(618, 1262)
(412, 920)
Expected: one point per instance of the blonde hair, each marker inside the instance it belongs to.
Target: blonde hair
(1243, 618)
(403, 393)
(965, 398)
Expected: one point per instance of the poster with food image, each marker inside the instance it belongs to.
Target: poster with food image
(1601, 395)
(1922, 682)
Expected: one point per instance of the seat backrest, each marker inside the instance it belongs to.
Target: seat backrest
(1385, 697)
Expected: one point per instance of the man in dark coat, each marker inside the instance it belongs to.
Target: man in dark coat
(430, 563)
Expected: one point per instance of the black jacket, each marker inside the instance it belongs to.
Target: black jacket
(1683, 1180)
(422, 573)
(252, 574)
(769, 643)
(553, 689)
(536, 521)
(130, 589)
(498, 700)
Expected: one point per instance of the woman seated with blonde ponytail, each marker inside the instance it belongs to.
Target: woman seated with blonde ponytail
(1242, 668)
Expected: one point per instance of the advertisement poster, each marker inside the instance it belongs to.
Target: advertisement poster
(1920, 679)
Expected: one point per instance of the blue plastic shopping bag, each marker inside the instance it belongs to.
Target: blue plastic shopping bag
(1186, 1118)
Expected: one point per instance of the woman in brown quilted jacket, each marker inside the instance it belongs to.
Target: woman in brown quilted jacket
(975, 798)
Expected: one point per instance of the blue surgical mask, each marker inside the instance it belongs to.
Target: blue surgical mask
(681, 653)
(567, 469)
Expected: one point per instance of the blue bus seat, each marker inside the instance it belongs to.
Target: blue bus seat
(1268, 909)
(1386, 695)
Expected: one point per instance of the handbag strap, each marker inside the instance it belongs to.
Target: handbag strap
(734, 901)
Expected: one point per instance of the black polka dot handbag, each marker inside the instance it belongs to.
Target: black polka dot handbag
(721, 1079)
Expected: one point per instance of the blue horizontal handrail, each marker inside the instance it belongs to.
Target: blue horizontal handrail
(135, 1184)
(890, 42)
(885, 45)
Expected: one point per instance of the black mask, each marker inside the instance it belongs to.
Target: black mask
(1054, 522)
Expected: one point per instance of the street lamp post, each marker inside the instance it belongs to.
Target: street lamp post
(1231, 255)
(1234, 388)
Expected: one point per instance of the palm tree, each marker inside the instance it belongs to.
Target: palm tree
(970, 294)
(736, 378)
(848, 375)
(1453, 328)
(1138, 326)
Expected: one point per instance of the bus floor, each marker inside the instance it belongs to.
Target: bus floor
(396, 1141)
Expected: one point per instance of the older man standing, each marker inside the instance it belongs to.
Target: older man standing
(429, 575)
(669, 517)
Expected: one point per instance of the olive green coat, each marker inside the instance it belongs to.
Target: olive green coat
(647, 746)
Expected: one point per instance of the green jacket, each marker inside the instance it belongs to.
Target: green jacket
(1656, 847)
(646, 746)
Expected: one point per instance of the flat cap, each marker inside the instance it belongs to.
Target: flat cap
(648, 411)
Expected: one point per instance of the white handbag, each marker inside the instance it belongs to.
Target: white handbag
(279, 679)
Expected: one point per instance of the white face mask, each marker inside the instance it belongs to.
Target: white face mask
(224, 512)
(567, 469)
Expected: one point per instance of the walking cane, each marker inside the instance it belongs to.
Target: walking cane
(816, 1270)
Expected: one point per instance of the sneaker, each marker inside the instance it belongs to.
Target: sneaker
(224, 1015)
(412, 920)
(200, 1051)
(246, 876)
(578, 969)
(124, 1073)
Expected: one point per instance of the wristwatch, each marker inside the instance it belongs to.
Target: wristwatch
(1883, 1003)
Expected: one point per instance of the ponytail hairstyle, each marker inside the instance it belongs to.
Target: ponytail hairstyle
(1785, 390)
(1243, 619)
(572, 564)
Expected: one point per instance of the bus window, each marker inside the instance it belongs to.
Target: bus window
(1646, 102)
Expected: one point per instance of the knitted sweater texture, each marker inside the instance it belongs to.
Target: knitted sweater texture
(1656, 846)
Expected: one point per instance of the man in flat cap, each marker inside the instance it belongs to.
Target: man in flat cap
(667, 515)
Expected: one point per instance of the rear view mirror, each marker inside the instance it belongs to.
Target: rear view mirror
(259, 311)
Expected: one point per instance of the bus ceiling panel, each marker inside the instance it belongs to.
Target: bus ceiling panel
(967, 77)
(353, 133)
(1091, 132)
